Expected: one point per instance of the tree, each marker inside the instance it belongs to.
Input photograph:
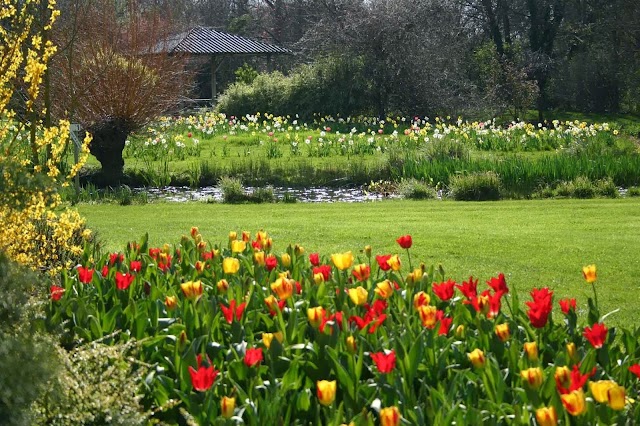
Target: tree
(108, 81)
(414, 52)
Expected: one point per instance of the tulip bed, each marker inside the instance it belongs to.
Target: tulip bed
(245, 333)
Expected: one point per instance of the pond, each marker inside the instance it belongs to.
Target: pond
(304, 195)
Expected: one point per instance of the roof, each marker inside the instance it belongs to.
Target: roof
(207, 41)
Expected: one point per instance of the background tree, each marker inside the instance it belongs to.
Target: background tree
(108, 82)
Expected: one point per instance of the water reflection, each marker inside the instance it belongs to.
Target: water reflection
(304, 195)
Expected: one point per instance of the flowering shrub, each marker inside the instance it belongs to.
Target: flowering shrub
(35, 231)
(247, 331)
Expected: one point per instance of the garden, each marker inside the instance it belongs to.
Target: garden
(434, 304)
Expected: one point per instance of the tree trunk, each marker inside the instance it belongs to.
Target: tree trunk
(107, 145)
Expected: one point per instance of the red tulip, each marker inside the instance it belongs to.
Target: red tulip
(56, 292)
(383, 262)
(635, 369)
(115, 257)
(123, 281)
(336, 318)
(253, 357)
(445, 325)
(385, 362)
(105, 271)
(469, 288)
(540, 307)
(405, 241)
(325, 270)
(576, 380)
(203, 378)
(233, 310)
(361, 272)
(314, 258)
(499, 284)
(85, 275)
(135, 265)
(596, 335)
(567, 304)
(270, 262)
(444, 290)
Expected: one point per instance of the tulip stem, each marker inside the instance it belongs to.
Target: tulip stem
(595, 298)
(409, 256)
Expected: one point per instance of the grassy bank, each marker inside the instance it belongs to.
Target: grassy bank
(535, 243)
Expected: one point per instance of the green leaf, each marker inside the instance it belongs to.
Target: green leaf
(343, 376)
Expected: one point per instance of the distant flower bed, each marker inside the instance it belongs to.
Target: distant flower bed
(255, 334)
(180, 138)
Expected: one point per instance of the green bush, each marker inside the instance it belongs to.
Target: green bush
(416, 190)
(606, 188)
(634, 191)
(232, 190)
(330, 86)
(445, 149)
(26, 359)
(262, 195)
(583, 188)
(482, 186)
(97, 384)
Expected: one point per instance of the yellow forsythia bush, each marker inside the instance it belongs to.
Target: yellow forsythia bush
(35, 230)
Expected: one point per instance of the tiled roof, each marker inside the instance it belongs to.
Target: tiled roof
(207, 41)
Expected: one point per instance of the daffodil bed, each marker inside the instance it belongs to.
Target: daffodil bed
(242, 334)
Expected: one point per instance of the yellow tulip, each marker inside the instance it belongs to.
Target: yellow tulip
(351, 344)
(318, 278)
(230, 265)
(238, 246)
(589, 273)
(533, 376)
(421, 298)
(384, 289)
(271, 302)
(600, 388)
(547, 416)
(502, 331)
(285, 259)
(315, 316)
(258, 257)
(394, 262)
(531, 349)
(574, 402)
(283, 287)
(267, 338)
(571, 350)
(477, 358)
(222, 285)
(326, 391)
(192, 290)
(171, 302)
(342, 261)
(227, 406)
(358, 295)
(415, 276)
(616, 397)
(390, 416)
(428, 315)
(233, 235)
(563, 376)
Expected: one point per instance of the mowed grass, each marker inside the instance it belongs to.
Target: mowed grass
(535, 243)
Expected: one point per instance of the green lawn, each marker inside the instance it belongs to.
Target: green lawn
(535, 243)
